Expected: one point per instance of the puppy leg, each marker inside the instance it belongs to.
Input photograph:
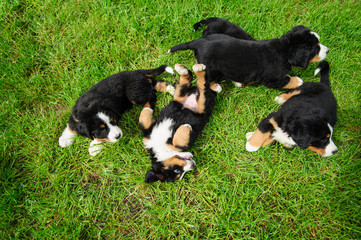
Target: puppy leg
(146, 117)
(257, 140)
(266, 143)
(215, 87)
(184, 83)
(95, 147)
(293, 82)
(163, 86)
(181, 136)
(199, 70)
(262, 136)
(67, 137)
(282, 98)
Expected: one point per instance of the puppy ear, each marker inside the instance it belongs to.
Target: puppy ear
(299, 56)
(151, 177)
(303, 141)
(83, 130)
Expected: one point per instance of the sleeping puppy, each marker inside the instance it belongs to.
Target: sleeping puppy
(169, 137)
(305, 119)
(266, 62)
(97, 112)
(217, 25)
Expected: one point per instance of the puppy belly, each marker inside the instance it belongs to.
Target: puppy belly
(191, 103)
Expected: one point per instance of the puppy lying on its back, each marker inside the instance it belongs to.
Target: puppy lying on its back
(266, 62)
(306, 118)
(177, 126)
(97, 112)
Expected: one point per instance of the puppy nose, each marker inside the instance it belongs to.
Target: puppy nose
(118, 136)
(334, 151)
(327, 50)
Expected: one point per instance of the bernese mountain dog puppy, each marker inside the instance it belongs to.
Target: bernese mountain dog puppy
(266, 62)
(216, 25)
(306, 118)
(168, 138)
(96, 113)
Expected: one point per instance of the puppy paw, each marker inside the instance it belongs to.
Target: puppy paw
(65, 141)
(280, 100)
(216, 88)
(251, 148)
(170, 89)
(66, 138)
(187, 125)
(180, 69)
(199, 67)
(238, 84)
(300, 81)
(186, 155)
(249, 135)
(95, 147)
(169, 70)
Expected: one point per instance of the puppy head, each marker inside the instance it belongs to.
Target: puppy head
(314, 133)
(169, 170)
(304, 47)
(100, 126)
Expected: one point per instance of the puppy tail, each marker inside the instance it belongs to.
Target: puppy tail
(192, 45)
(324, 68)
(204, 22)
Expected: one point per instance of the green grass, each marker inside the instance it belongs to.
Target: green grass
(53, 51)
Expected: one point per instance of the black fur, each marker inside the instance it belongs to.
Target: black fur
(216, 25)
(112, 97)
(264, 62)
(180, 116)
(305, 116)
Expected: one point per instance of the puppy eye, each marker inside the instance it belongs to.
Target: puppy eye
(102, 126)
(177, 171)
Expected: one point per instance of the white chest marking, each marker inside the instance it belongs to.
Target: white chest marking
(158, 140)
(282, 137)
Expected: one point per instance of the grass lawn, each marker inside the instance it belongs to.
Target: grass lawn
(53, 51)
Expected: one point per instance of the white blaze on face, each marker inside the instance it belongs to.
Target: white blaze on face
(331, 147)
(323, 49)
(114, 131)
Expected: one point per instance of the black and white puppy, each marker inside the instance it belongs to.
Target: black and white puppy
(306, 118)
(216, 25)
(96, 113)
(266, 62)
(178, 125)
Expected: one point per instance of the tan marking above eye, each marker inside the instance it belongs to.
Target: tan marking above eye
(102, 126)
(328, 135)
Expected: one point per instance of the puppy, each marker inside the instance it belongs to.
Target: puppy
(169, 137)
(97, 112)
(217, 25)
(266, 62)
(306, 118)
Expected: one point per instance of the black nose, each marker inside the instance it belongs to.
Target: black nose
(335, 151)
(119, 135)
(327, 51)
